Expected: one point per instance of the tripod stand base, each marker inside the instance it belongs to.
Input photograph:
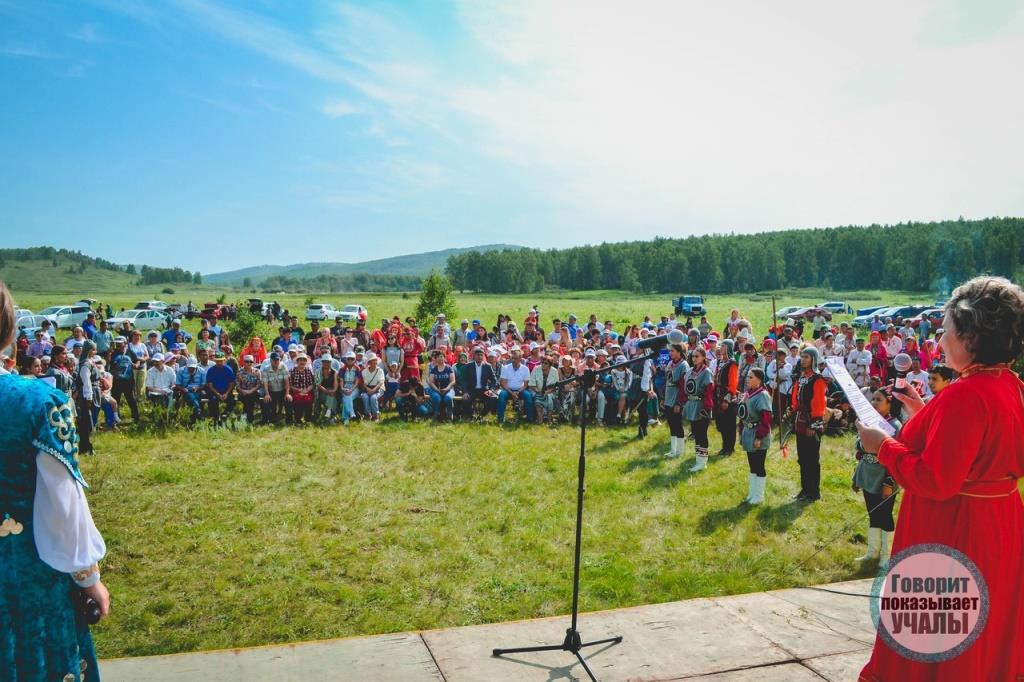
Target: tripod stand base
(572, 643)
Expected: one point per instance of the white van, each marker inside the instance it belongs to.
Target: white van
(66, 316)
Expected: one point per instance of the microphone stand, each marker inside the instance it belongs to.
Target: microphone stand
(573, 643)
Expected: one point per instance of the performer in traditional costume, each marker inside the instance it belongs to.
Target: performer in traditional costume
(755, 415)
(700, 401)
(958, 459)
(872, 478)
(727, 384)
(809, 404)
(49, 547)
(675, 374)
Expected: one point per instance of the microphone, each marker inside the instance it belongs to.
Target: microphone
(902, 364)
(658, 342)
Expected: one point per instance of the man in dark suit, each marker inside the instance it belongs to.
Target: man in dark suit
(478, 384)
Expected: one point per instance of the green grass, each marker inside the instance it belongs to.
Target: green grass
(220, 538)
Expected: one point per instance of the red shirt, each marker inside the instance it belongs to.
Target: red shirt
(968, 441)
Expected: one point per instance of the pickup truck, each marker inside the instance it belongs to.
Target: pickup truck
(689, 305)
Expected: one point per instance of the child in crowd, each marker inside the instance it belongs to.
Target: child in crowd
(879, 488)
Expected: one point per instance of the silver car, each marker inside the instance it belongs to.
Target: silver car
(66, 316)
(143, 320)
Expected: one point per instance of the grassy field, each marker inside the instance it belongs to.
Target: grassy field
(224, 539)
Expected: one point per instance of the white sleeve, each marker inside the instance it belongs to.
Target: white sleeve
(65, 535)
(865, 358)
(86, 377)
(645, 376)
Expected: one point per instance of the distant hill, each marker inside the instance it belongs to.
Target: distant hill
(46, 269)
(419, 264)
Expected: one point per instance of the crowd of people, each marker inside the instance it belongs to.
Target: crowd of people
(742, 380)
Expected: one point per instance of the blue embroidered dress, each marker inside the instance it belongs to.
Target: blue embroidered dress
(41, 635)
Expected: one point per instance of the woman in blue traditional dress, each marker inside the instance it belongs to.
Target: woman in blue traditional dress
(49, 545)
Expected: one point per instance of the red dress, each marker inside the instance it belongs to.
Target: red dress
(967, 442)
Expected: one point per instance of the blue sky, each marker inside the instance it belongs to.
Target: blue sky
(214, 134)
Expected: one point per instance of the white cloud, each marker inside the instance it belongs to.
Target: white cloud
(87, 33)
(336, 108)
(745, 116)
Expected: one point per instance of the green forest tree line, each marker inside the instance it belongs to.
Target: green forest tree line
(912, 256)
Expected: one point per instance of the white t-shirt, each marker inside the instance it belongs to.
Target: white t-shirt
(516, 378)
(920, 381)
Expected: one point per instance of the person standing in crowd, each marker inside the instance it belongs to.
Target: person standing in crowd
(675, 396)
(871, 478)
(87, 390)
(808, 405)
(700, 402)
(779, 377)
(62, 379)
(958, 459)
(726, 384)
(40, 347)
(300, 390)
(51, 546)
(122, 366)
(858, 364)
(755, 424)
(879, 358)
(412, 345)
(939, 379)
(893, 344)
(256, 349)
(140, 361)
(104, 340)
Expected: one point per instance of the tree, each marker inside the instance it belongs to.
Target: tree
(436, 296)
(247, 283)
(130, 269)
(247, 325)
(197, 278)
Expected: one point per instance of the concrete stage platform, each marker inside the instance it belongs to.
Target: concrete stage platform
(792, 635)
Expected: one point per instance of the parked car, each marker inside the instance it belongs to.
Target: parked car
(20, 312)
(689, 305)
(934, 316)
(31, 323)
(811, 312)
(784, 313)
(260, 306)
(352, 313)
(871, 309)
(150, 305)
(906, 311)
(865, 319)
(321, 311)
(834, 306)
(66, 316)
(213, 311)
(143, 320)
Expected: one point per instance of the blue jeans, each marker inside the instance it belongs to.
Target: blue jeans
(193, 399)
(525, 396)
(348, 406)
(436, 400)
(371, 403)
(407, 407)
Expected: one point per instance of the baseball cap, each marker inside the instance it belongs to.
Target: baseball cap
(370, 356)
(476, 323)
(348, 355)
(590, 353)
(158, 357)
(248, 358)
(191, 362)
(275, 355)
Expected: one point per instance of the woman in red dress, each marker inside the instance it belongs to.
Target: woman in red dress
(958, 458)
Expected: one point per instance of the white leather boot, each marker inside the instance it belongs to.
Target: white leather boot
(750, 488)
(874, 544)
(702, 461)
(759, 483)
(673, 450)
(884, 548)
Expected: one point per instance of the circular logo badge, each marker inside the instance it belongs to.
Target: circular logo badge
(742, 411)
(691, 386)
(930, 604)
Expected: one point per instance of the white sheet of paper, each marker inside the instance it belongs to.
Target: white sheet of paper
(866, 412)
